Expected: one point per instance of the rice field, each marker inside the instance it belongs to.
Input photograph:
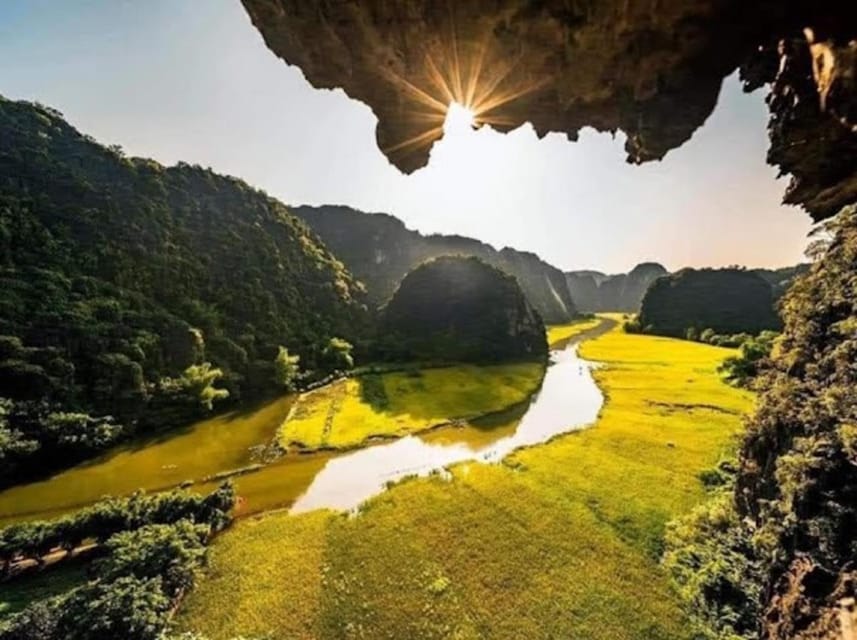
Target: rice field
(350, 412)
(561, 540)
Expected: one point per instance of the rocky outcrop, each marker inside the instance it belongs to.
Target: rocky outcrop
(594, 291)
(651, 69)
(460, 309)
(380, 250)
(728, 301)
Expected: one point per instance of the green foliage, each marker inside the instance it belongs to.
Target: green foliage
(723, 300)
(742, 369)
(711, 561)
(380, 251)
(13, 443)
(153, 548)
(632, 325)
(460, 309)
(117, 273)
(128, 608)
(337, 354)
(197, 382)
(286, 369)
(783, 541)
(172, 552)
(114, 515)
(33, 430)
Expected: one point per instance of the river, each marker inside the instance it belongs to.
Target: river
(567, 400)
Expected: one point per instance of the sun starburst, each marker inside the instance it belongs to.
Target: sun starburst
(466, 81)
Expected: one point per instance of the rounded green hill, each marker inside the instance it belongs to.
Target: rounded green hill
(460, 309)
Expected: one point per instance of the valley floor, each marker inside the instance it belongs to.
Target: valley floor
(350, 412)
(561, 540)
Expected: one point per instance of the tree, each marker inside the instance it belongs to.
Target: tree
(337, 354)
(127, 608)
(197, 382)
(172, 551)
(13, 443)
(741, 370)
(286, 369)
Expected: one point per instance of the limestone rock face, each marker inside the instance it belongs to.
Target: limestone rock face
(593, 291)
(650, 68)
(380, 251)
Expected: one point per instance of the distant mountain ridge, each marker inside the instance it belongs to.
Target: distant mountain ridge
(380, 250)
(594, 291)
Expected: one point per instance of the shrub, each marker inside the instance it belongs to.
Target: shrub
(741, 370)
(286, 369)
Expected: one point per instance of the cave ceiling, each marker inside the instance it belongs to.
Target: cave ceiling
(649, 68)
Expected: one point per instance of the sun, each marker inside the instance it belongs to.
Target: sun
(459, 120)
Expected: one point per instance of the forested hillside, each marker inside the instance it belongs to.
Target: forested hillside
(460, 309)
(728, 301)
(594, 291)
(781, 278)
(380, 250)
(141, 292)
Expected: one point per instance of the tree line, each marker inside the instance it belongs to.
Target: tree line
(153, 548)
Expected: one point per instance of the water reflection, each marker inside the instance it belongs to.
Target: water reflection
(202, 449)
(569, 399)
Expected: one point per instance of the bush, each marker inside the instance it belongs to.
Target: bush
(712, 564)
(114, 515)
(151, 558)
(172, 552)
(286, 369)
(741, 370)
(337, 354)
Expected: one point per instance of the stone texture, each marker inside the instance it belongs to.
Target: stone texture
(650, 68)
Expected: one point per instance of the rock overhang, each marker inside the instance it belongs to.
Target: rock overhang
(650, 68)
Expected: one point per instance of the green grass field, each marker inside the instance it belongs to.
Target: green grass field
(561, 541)
(350, 412)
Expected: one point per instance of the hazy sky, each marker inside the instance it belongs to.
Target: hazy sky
(192, 80)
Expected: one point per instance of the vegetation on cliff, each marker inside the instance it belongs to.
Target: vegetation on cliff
(460, 309)
(782, 557)
(726, 301)
(134, 295)
(379, 250)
